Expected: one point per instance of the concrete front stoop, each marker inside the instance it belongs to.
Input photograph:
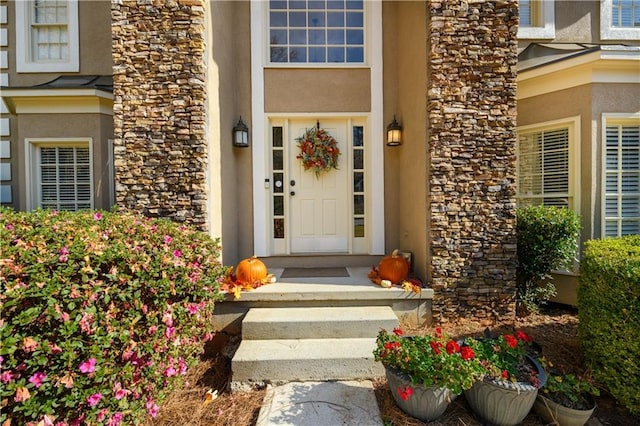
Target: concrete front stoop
(298, 344)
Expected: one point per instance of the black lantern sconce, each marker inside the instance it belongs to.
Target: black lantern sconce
(241, 134)
(394, 133)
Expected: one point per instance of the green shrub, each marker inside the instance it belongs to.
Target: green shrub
(102, 313)
(609, 315)
(547, 240)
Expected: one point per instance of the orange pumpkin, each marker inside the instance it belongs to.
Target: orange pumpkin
(393, 268)
(251, 270)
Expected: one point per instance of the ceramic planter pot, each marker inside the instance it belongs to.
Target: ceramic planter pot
(553, 413)
(504, 403)
(425, 403)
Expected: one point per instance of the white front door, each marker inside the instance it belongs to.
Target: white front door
(319, 204)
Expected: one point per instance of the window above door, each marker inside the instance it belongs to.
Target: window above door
(317, 32)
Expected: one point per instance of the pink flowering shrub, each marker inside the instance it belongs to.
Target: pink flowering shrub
(102, 314)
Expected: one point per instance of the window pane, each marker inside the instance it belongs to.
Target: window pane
(335, 54)
(358, 227)
(358, 159)
(278, 182)
(277, 136)
(355, 37)
(278, 19)
(317, 54)
(358, 204)
(278, 228)
(358, 133)
(278, 163)
(317, 37)
(316, 19)
(355, 54)
(297, 19)
(278, 205)
(358, 182)
(298, 36)
(278, 37)
(335, 19)
(298, 54)
(355, 19)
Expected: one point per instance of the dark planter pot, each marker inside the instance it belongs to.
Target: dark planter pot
(504, 403)
(553, 413)
(425, 403)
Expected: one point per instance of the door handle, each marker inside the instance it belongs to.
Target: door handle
(292, 193)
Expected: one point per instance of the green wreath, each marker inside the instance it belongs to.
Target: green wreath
(318, 151)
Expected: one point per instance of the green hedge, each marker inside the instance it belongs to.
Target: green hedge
(609, 314)
(102, 314)
(547, 240)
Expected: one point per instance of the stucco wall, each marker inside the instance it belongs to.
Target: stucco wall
(317, 90)
(472, 158)
(94, 20)
(98, 127)
(229, 88)
(405, 78)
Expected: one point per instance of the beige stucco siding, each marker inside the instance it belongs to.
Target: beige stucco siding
(317, 90)
(405, 76)
(229, 97)
(98, 127)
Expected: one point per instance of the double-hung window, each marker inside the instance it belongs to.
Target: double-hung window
(621, 174)
(547, 167)
(620, 19)
(316, 31)
(537, 19)
(47, 36)
(60, 172)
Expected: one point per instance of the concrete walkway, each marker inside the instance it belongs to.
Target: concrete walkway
(344, 403)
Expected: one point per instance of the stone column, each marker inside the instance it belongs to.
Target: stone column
(158, 50)
(472, 157)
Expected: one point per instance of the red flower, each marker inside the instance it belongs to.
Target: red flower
(391, 345)
(505, 374)
(452, 347)
(466, 353)
(511, 341)
(405, 393)
(436, 346)
(438, 332)
(521, 335)
(398, 331)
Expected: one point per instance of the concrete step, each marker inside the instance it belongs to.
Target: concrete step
(317, 322)
(287, 360)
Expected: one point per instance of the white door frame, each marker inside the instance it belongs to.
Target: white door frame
(260, 132)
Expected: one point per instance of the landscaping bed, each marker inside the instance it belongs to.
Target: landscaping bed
(554, 328)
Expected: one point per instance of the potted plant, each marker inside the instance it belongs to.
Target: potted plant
(425, 373)
(512, 377)
(566, 399)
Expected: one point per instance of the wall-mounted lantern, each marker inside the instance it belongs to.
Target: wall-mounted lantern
(394, 133)
(241, 134)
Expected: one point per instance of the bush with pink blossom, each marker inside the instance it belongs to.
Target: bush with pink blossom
(102, 314)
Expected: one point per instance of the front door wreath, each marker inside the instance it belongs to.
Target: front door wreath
(318, 150)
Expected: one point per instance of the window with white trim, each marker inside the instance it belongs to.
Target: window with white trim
(537, 19)
(621, 174)
(317, 31)
(547, 165)
(47, 36)
(61, 175)
(620, 19)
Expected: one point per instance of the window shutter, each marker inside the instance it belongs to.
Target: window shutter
(622, 180)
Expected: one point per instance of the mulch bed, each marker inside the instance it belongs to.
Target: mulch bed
(555, 329)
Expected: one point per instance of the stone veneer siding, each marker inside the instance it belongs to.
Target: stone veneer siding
(472, 157)
(159, 108)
